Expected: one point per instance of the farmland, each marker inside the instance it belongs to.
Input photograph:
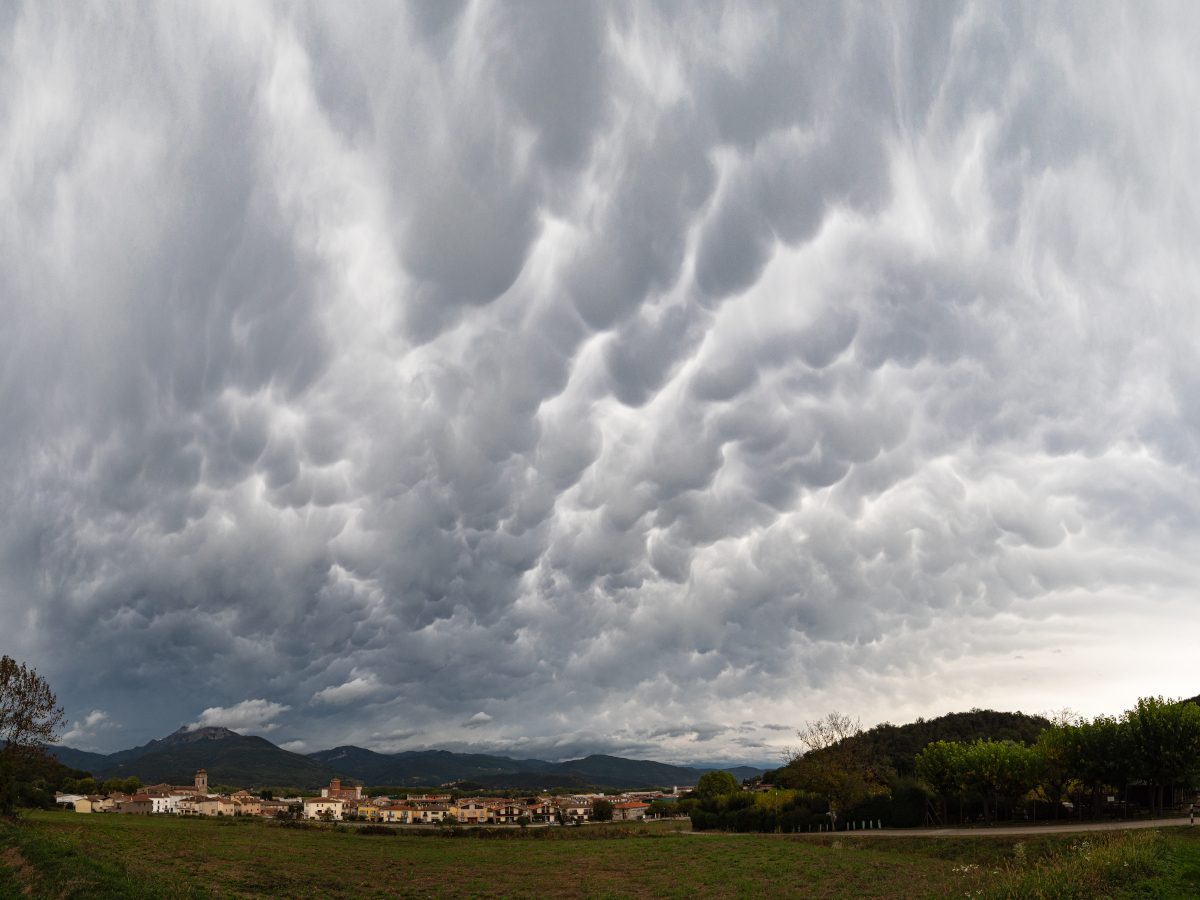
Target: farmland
(170, 857)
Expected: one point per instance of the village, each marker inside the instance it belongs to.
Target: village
(346, 803)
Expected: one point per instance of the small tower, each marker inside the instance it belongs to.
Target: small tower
(201, 782)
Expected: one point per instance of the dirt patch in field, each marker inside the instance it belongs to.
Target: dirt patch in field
(22, 872)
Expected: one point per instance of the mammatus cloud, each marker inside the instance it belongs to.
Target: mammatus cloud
(249, 715)
(613, 370)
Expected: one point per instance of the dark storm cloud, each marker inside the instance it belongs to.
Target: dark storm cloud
(590, 378)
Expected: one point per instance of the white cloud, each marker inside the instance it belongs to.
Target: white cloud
(249, 715)
(477, 720)
(350, 692)
(95, 717)
(295, 746)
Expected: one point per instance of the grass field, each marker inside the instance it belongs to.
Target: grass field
(68, 856)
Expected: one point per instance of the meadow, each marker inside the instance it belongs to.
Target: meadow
(64, 855)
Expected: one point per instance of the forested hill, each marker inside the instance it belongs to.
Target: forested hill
(901, 743)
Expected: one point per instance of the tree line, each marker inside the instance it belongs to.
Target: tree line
(1157, 744)
(880, 774)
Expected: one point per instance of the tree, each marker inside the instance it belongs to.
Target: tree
(523, 821)
(131, 785)
(29, 721)
(1053, 762)
(937, 766)
(266, 794)
(113, 786)
(995, 768)
(602, 810)
(838, 764)
(717, 784)
(1165, 742)
(1098, 753)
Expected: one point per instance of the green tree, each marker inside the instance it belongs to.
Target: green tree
(602, 810)
(937, 766)
(130, 785)
(29, 721)
(1165, 742)
(717, 784)
(523, 821)
(995, 768)
(266, 794)
(1053, 764)
(113, 786)
(1098, 753)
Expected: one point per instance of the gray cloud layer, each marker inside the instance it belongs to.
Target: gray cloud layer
(600, 376)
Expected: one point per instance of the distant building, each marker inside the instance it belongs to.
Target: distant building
(314, 807)
(624, 811)
(335, 791)
(201, 782)
(137, 805)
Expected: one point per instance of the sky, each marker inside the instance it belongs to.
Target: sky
(553, 378)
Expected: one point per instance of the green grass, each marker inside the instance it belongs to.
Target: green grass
(40, 862)
(67, 855)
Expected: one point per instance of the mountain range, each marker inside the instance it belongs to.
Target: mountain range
(254, 762)
(435, 767)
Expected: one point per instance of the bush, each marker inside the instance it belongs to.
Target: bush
(740, 813)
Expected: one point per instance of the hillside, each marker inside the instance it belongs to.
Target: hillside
(242, 760)
(901, 743)
(415, 767)
(181, 738)
(533, 782)
(614, 771)
(80, 759)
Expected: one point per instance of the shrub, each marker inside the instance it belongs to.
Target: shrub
(381, 830)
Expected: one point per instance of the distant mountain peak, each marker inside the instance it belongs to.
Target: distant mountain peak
(186, 736)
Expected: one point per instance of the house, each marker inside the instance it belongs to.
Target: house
(471, 812)
(335, 791)
(544, 810)
(199, 805)
(137, 805)
(627, 811)
(89, 804)
(167, 802)
(433, 812)
(322, 807)
(398, 815)
(363, 812)
(507, 812)
(247, 806)
(273, 807)
(575, 810)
